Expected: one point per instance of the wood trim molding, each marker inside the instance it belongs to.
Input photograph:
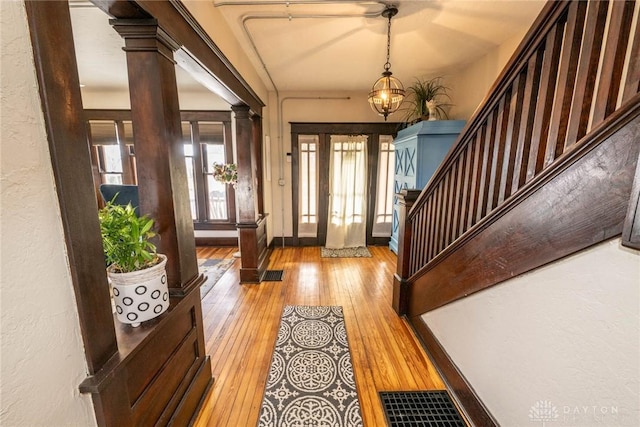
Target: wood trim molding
(185, 115)
(200, 56)
(388, 128)
(214, 225)
(276, 242)
(253, 100)
(468, 401)
(217, 241)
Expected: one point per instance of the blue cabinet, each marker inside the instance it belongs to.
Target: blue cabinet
(419, 151)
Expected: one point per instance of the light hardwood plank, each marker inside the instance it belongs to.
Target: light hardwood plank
(241, 324)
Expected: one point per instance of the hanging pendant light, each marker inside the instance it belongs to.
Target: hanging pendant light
(387, 92)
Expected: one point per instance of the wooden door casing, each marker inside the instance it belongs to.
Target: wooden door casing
(324, 131)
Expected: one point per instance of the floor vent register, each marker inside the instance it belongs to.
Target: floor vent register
(273, 276)
(420, 409)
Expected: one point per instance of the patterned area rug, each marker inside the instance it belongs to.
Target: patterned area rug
(213, 269)
(311, 381)
(359, 252)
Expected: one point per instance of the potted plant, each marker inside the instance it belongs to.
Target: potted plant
(425, 100)
(137, 273)
(226, 173)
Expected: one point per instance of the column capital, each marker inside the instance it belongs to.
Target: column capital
(145, 35)
(241, 111)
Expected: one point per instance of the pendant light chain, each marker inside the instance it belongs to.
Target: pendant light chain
(387, 92)
(387, 65)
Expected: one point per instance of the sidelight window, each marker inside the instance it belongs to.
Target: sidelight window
(384, 197)
(308, 179)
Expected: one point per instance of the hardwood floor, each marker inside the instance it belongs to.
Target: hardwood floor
(241, 323)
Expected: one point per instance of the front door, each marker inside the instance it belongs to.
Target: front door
(335, 167)
(347, 211)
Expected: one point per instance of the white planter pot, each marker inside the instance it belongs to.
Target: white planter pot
(140, 295)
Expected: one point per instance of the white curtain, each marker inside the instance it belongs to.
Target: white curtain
(347, 224)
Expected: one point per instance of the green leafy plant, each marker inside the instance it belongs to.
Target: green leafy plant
(125, 239)
(423, 91)
(225, 173)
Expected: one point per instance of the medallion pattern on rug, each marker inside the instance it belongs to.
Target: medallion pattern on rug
(311, 381)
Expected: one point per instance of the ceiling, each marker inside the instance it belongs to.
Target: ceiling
(105, 68)
(336, 45)
(340, 45)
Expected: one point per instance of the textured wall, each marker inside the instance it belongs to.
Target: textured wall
(566, 335)
(42, 355)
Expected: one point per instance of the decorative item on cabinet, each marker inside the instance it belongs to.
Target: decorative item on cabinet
(419, 151)
(426, 100)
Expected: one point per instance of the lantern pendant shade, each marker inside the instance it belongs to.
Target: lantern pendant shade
(386, 95)
(387, 92)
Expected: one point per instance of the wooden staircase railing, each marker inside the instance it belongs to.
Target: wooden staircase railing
(573, 74)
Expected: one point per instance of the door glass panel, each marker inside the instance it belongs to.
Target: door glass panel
(308, 185)
(384, 196)
(346, 226)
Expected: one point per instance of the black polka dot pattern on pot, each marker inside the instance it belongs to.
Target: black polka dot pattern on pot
(157, 309)
(127, 301)
(143, 306)
(132, 316)
(155, 294)
(163, 279)
(119, 309)
(165, 296)
(116, 292)
(141, 290)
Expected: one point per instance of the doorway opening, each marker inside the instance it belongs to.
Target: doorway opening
(342, 184)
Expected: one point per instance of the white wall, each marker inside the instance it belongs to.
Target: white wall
(42, 354)
(471, 83)
(567, 333)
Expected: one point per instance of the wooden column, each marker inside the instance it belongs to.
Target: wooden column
(401, 288)
(162, 176)
(57, 72)
(251, 225)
